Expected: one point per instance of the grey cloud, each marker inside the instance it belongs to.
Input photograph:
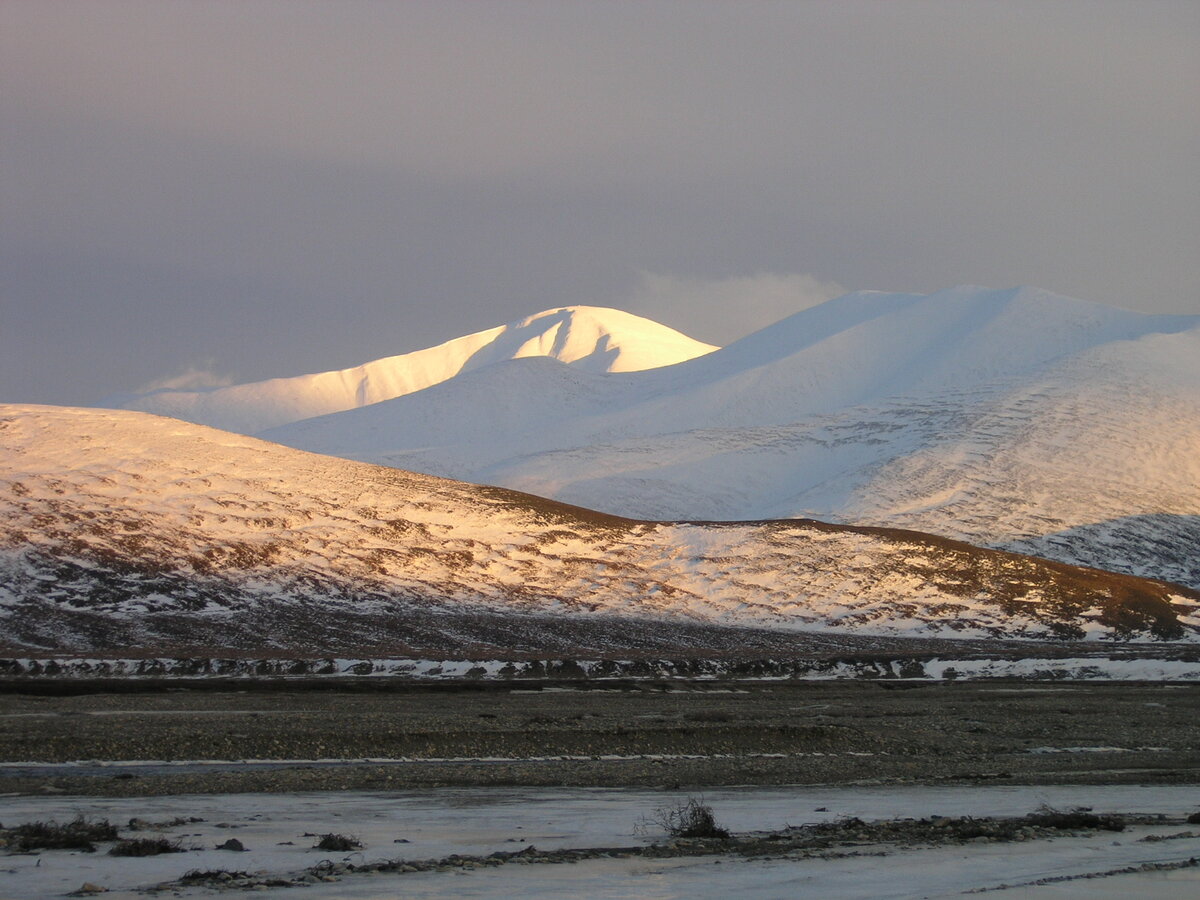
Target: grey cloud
(289, 187)
(197, 376)
(723, 309)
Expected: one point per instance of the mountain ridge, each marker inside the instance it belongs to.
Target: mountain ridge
(593, 339)
(997, 417)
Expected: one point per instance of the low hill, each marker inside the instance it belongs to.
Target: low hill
(121, 531)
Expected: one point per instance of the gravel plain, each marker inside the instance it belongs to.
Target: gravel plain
(392, 734)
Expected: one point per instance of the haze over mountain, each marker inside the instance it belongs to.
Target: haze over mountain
(123, 530)
(1012, 418)
(590, 339)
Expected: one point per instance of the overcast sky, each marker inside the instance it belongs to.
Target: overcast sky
(228, 190)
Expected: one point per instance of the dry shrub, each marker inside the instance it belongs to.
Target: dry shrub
(79, 834)
(691, 818)
(145, 847)
(338, 843)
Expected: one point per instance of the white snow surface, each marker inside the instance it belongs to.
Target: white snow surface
(1009, 418)
(132, 515)
(478, 821)
(590, 339)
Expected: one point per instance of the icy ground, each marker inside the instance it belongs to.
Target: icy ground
(434, 824)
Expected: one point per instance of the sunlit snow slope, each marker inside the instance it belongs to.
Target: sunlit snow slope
(123, 530)
(1013, 418)
(590, 339)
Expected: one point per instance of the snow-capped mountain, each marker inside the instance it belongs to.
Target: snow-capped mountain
(1015, 418)
(590, 339)
(122, 530)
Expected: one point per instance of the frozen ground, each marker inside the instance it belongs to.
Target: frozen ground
(434, 824)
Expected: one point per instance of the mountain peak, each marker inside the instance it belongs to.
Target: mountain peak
(594, 339)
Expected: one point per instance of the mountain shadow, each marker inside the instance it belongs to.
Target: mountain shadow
(1164, 546)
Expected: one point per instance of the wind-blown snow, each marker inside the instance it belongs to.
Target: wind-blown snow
(590, 339)
(152, 526)
(1015, 419)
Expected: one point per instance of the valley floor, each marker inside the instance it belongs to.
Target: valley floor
(154, 738)
(572, 842)
(447, 775)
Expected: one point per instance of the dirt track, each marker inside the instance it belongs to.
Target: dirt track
(707, 734)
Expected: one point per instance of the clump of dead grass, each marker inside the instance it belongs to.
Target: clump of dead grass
(78, 834)
(145, 847)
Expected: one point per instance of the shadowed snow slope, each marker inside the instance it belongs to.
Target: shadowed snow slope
(123, 530)
(591, 339)
(1012, 418)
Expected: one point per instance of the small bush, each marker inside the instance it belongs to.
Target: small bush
(79, 834)
(337, 843)
(689, 819)
(144, 847)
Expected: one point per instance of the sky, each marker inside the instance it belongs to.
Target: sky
(198, 193)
